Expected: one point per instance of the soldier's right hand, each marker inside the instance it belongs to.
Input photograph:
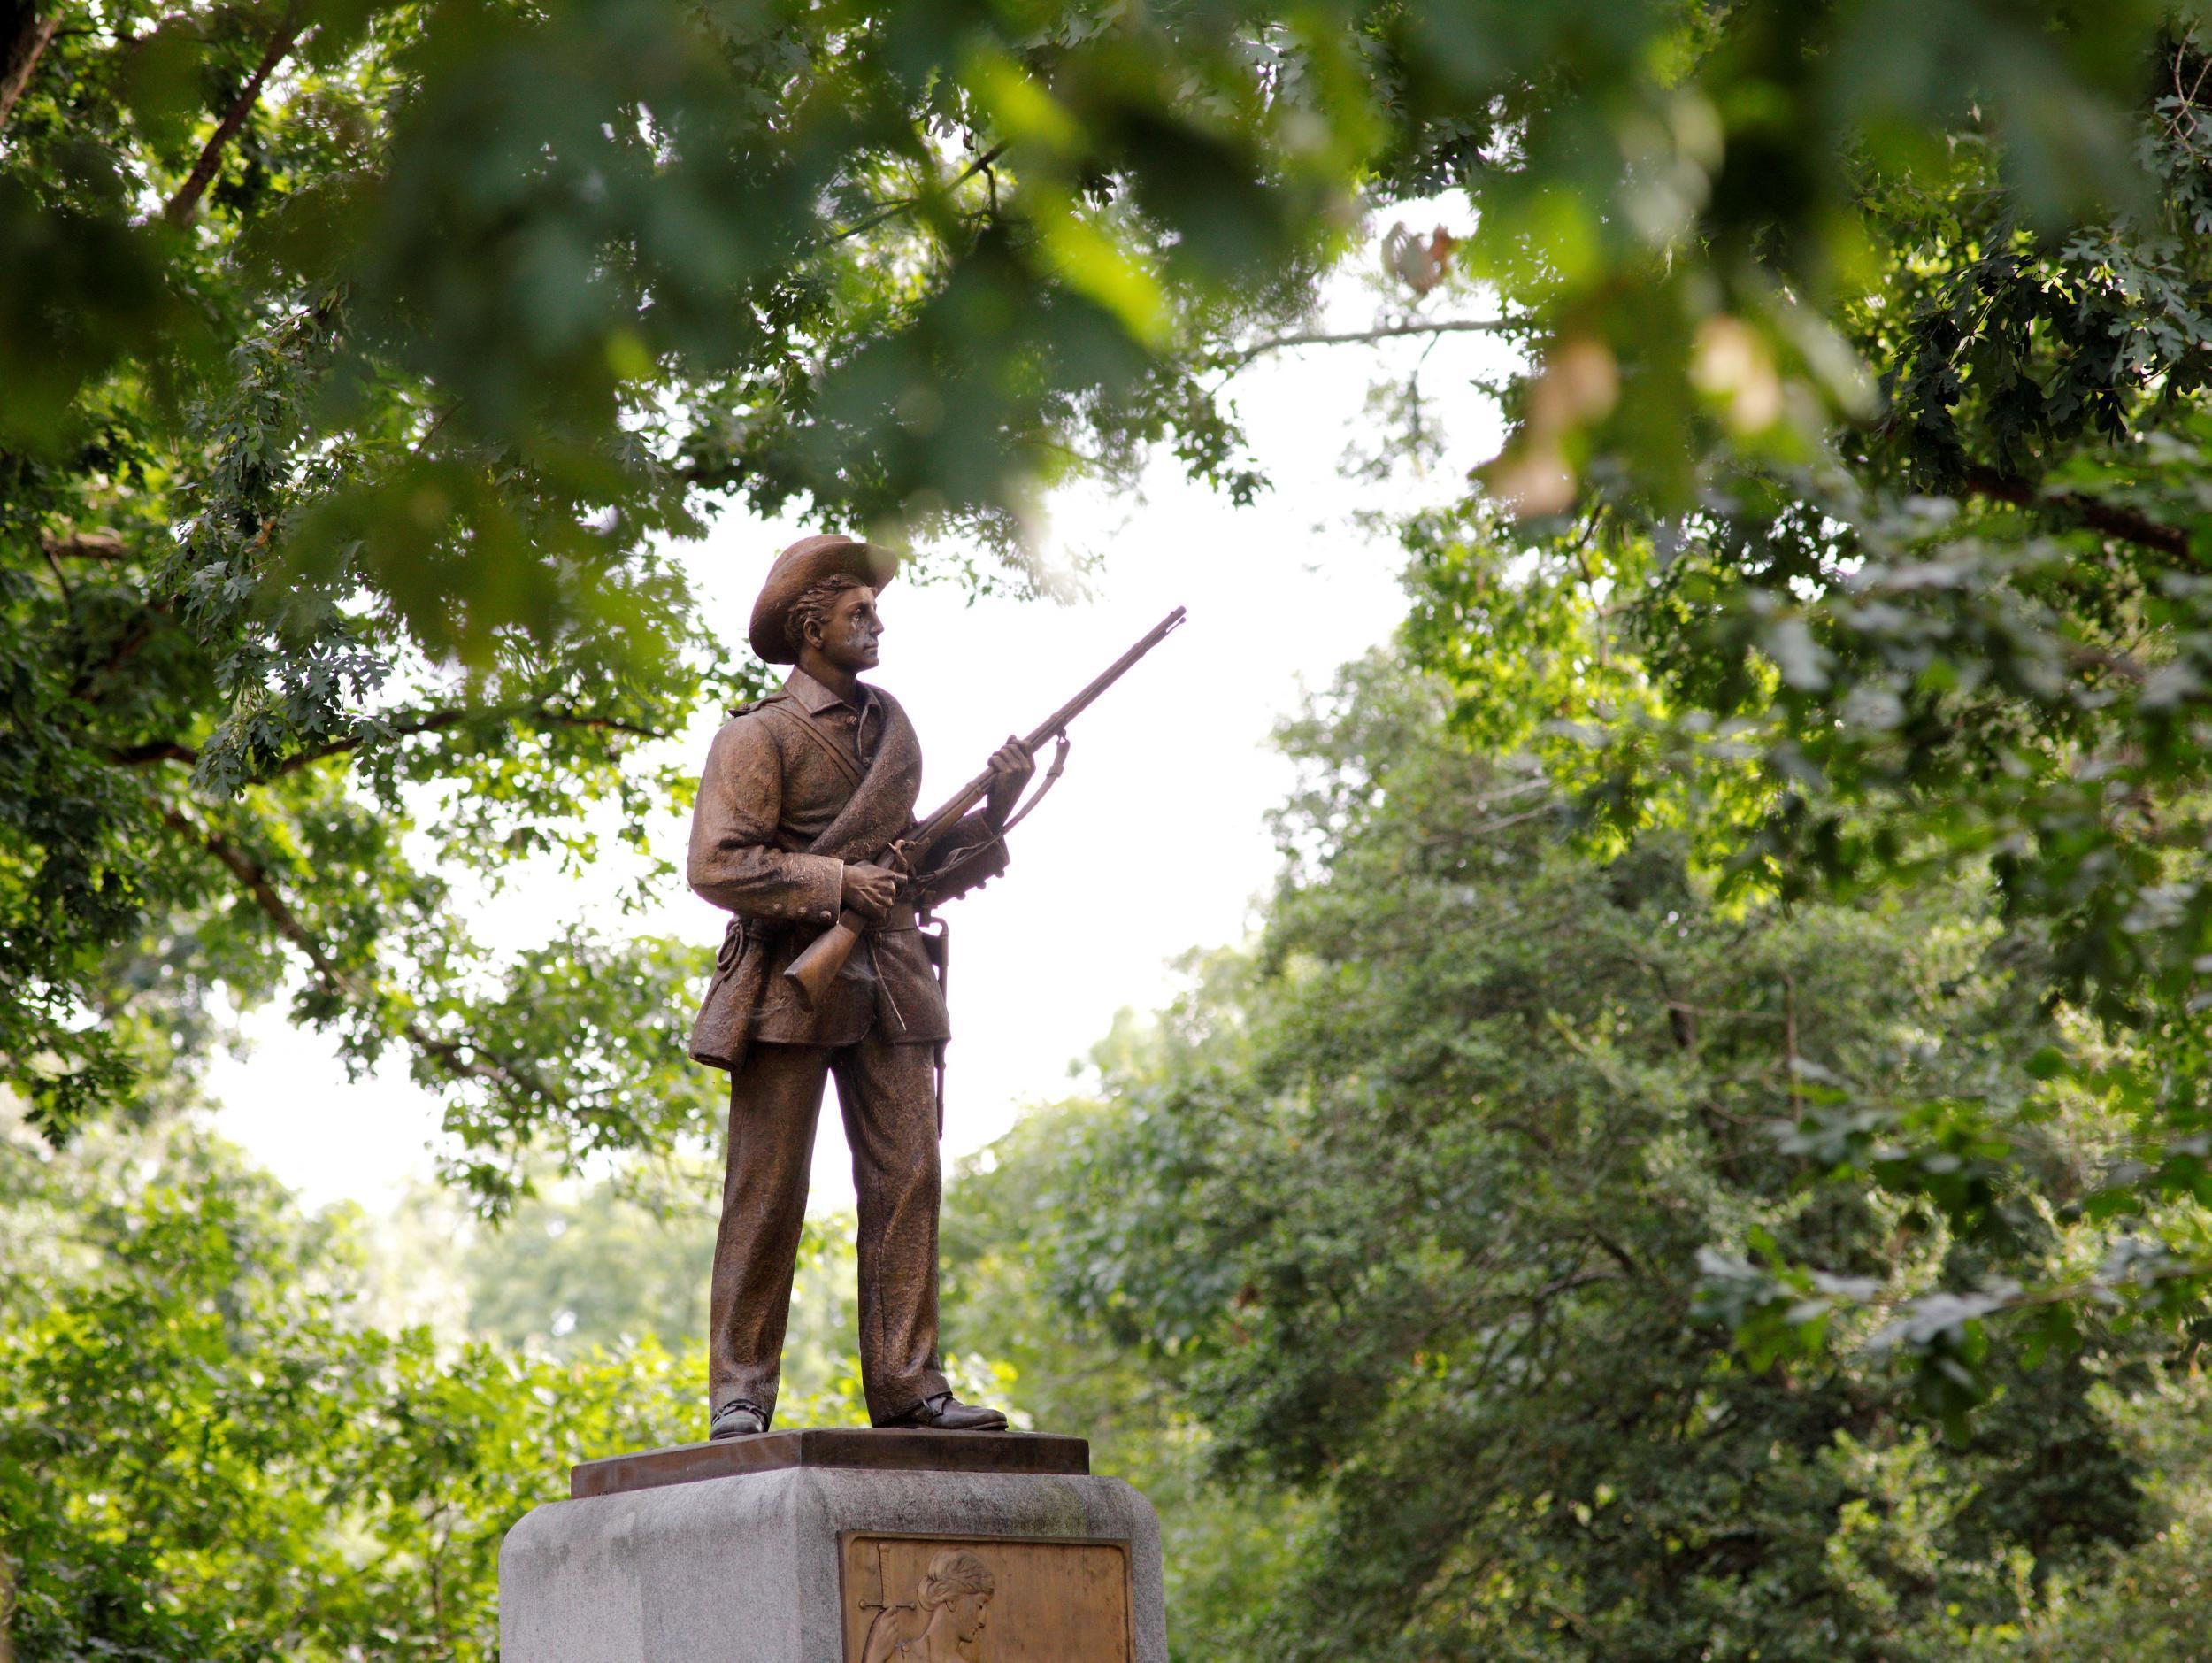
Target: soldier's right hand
(870, 890)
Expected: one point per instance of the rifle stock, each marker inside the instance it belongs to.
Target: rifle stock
(813, 972)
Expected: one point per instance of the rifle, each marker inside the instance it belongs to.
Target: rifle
(811, 972)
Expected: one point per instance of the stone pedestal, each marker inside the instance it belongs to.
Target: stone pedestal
(838, 1547)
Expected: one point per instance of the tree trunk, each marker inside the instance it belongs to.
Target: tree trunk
(181, 206)
(23, 37)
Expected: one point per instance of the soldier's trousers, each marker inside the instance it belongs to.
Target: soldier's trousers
(888, 1096)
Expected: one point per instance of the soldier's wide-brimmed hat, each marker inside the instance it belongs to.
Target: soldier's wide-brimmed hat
(798, 569)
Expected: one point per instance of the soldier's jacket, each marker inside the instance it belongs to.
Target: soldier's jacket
(778, 778)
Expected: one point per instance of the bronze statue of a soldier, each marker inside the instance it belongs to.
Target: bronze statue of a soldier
(805, 794)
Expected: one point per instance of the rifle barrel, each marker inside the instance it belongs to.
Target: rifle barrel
(811, 972)
(969, 795)
(1112, 673)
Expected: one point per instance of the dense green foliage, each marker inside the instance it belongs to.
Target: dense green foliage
(1411, 1201)
(359, 356)
(1225, 1547)
(1377, 1265)
(204, 1453)
(211, 1448)
(333, 492)
(1965, 632)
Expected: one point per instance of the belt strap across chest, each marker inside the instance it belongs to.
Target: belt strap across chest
(827, 743)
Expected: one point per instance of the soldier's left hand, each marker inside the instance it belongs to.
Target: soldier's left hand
(1010, 767)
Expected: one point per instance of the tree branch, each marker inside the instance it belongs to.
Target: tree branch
(1381, 331)
(152, 750)
(1542, 1296)
(255, 879)
(889, 211)
(68, 595)
(2127, 524)
(401, 725)
(906, 204)
(2081, 657)
(133, 639)
(438, 721)
(179, 207)
(1619, 1254)
(83, 545)
(19, 57)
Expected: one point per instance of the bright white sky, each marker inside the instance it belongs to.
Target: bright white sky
(1152, 844)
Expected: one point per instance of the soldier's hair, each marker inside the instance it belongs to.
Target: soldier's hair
(952, 1573)
(815, 601)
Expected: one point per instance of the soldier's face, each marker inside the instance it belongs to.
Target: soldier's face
(851, 631)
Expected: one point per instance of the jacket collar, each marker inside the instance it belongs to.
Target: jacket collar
(814, 698)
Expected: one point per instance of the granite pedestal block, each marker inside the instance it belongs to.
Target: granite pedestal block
(838, 1547)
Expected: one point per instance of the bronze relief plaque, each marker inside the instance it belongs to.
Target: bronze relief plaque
(977, 1599)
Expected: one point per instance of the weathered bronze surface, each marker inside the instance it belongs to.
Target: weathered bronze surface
(801, 795)
(835, 1446)
(964, 1599)
(804, 831)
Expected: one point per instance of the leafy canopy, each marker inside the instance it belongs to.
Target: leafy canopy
(1421, 1205)
(361, 361)
(207, 1452)
(1956, 625)
(362, 358)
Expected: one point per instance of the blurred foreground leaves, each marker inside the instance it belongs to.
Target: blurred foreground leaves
(1957, 630)
(360, 360)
